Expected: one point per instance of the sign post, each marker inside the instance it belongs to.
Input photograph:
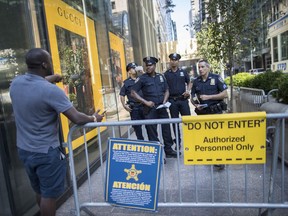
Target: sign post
(225, 139)
(133, 173)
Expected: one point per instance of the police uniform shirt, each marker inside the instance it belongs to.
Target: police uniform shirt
(153, 88)
(126, 90)
(214, 84)
(176, 81)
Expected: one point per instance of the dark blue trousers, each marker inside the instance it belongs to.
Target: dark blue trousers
(154, 113)
(177, 107)
(137, 114)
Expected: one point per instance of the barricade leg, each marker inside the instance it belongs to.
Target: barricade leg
(276, 143)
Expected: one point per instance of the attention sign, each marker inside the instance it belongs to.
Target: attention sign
(225, 139)
(133, 173)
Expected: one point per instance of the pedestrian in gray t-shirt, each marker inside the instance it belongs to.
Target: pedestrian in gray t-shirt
(37, 104)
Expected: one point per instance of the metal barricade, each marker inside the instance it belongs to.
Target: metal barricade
(237, 186)
(251, 99)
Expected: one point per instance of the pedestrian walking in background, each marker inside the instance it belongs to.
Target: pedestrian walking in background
(134, 107)
(155, 92)
(37, 104)
(208, 92)
(179, 91)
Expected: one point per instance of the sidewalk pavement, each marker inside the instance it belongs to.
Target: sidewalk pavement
(187, 173)
(237, 182)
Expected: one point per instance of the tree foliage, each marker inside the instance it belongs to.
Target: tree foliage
(169, 6)
(225, 33)
(226, 28)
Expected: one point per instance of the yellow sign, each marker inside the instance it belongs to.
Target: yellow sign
(225, 139)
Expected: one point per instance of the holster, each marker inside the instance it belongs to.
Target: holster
(219, 107)
(223, 105)
(212, 109)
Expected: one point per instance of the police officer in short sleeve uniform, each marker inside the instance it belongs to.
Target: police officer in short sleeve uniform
(134, 107)
(155, 92)
(209, 89)
(179, 90)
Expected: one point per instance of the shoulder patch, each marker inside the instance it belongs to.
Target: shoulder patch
(220, 79)
(161, 78)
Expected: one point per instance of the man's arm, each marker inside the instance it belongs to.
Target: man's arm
(81, 118)
(126, 107)
(187, 92)
(137, 97)
(55, 78)
(219, 96)
(188, 83)
(189, 87)
(194, 98)
(166, 96)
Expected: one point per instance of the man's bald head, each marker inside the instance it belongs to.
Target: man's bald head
(38, 59)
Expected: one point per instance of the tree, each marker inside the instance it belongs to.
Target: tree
(226, 27)
(168, 6)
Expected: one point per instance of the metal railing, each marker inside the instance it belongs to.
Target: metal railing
(241, 186)
(251, 99)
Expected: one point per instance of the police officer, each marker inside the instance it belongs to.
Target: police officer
(155, 92)
(208, 92)
(133, 107)
(179, 89)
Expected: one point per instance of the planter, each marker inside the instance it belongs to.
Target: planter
(274, 107)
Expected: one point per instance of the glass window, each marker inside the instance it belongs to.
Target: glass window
(113, 5)
(15, 40)
(275, 49)
(284, 46)
(22, 32)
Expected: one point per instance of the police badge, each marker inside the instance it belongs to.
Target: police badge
(212, 82)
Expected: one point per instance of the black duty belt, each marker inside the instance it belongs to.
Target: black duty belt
(134, 103)
(179, 97)
(215, 108)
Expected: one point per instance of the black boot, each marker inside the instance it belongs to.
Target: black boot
(219, 167)
(171, 153)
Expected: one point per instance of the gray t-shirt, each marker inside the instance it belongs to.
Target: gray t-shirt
(36, 105)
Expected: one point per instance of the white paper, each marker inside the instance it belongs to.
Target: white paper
(166, 105)
(203, 105)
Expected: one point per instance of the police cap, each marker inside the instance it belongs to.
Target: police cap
(149, 60)
(174, 56)
(131, 65)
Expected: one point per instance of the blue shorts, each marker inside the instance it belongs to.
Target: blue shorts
(46, 172)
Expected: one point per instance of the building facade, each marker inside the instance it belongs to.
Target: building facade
(278, 38)
(90, 46)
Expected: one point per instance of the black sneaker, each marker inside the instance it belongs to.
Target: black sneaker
(219, 166)
(171, 154)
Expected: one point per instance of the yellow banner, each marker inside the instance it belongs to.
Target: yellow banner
(225, 139)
